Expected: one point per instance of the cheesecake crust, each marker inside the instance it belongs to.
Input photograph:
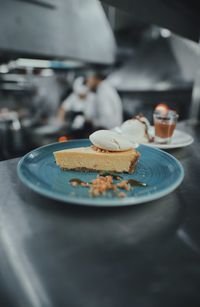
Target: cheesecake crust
(134, 163)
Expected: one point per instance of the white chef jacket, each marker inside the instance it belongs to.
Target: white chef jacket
(74, 103)
(107, 106)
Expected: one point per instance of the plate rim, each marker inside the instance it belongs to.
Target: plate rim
(127, 201)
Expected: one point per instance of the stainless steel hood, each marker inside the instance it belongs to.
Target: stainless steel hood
(179, 16)
(176, 61)
(58, 29)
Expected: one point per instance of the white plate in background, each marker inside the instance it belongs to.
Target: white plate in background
(179, 139)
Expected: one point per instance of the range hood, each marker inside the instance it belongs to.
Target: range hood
(179, 16)
(56, 29)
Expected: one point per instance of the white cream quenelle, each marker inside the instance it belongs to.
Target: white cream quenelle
(111, 140)
(136, 129)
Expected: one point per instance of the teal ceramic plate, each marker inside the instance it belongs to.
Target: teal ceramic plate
(159, 170)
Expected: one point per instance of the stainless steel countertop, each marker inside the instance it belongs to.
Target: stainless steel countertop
(55, 254)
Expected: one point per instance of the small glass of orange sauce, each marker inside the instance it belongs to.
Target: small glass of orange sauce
(164, 124)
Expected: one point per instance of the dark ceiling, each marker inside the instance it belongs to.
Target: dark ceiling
(179, 16)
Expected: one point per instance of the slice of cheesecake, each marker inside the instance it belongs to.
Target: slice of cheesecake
(94, 159)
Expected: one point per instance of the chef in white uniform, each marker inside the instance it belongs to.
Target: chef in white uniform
(79, 104)
(107, 108)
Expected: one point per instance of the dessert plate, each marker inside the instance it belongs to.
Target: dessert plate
(179, 139)
(159, 170)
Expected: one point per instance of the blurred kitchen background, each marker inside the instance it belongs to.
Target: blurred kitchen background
(46, 44)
